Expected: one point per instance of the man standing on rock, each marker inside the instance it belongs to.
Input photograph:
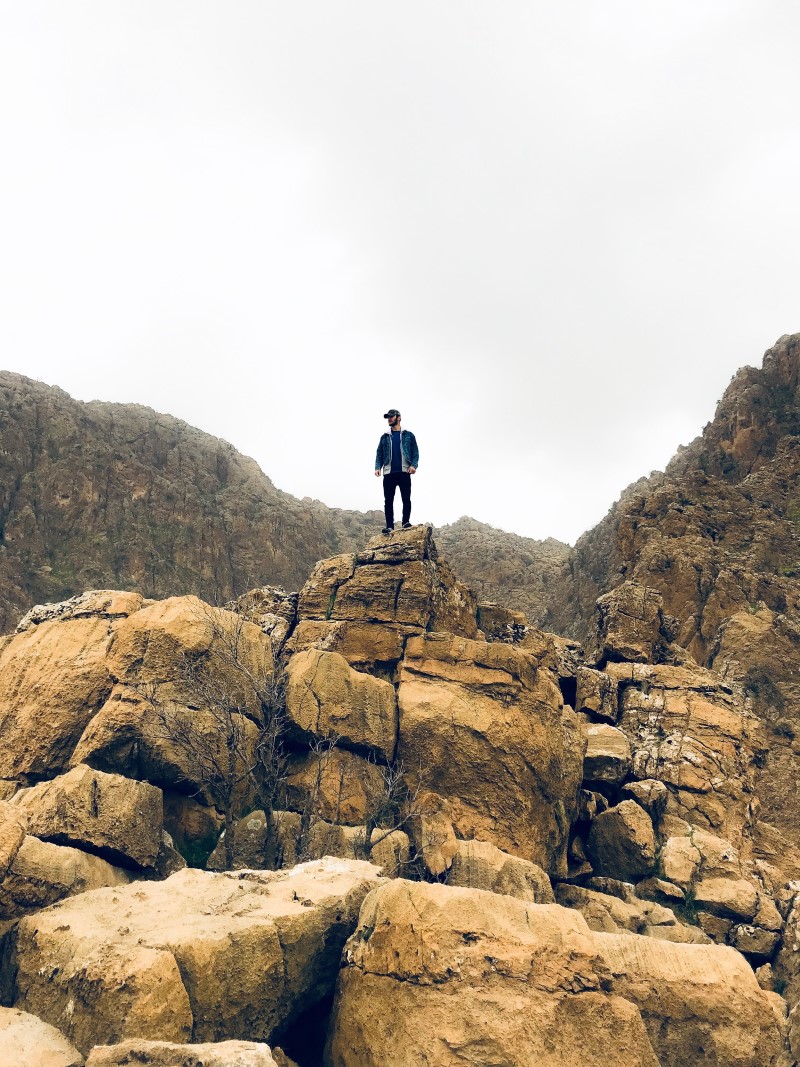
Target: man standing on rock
(397, 459)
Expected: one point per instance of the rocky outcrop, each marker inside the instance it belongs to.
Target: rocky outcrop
(201, 956)
(528, 984)
(111, 816)
(484, 727)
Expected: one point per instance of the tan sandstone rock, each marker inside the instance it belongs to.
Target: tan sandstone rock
(687, 730)
(326, 698)
(484, 728)
(628, 622)
(54, 676)
(42, 873)
(479, 865)
(168, 1054)
(608, 754)
(475, 978)
(201, 956)
(26, 1041)
(115, 817)
(13, 828)
(700, 1003)
(334, 785)
(622, 843)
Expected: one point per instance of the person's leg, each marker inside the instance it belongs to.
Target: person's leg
(405, 494)
(389, 486)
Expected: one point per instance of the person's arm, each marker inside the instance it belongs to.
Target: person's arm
(379, 459)
(413, 454)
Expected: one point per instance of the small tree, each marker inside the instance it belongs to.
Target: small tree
(228, 725)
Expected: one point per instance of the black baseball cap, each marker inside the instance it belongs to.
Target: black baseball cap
(390, 412)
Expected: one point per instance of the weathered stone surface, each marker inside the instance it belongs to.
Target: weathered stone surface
(680, 859)
(499, 623)
(479, 865)
(432, 833)
(54, 676)
(628, 622)
(168, 1054)
(335, 785)
(179, 664)
(610, 913)
(398, 582)
(700, 1003)
(366, 647)
(327, 699)
(651, 794)
(489, 732)
(537, 1002)
(727, 897)
(13, 828)
(688, 731)
(26, 1041)
(622, 843)
(608, 754)
(200, 956)
(115, 817)
(596, 694)
(42, 873)
(753, 941)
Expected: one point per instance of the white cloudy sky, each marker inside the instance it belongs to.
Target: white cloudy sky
(548, 232)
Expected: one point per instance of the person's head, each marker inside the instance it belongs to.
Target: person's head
(392, 417)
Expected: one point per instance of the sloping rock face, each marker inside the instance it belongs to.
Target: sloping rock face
(476, 978)
(486, 730)
(201, 956)
(93, 495)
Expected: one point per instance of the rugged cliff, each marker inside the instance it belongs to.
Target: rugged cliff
(97, 494)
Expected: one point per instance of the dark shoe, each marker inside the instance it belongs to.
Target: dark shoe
(388, 529)
(406, 525)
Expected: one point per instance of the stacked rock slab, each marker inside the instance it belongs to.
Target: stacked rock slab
(476, 978)
(200, 956)
(366, 605)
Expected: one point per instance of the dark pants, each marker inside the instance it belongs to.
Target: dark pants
(390, 483)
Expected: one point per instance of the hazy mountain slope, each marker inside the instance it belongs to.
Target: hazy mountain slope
(520, 572)
(98, 495)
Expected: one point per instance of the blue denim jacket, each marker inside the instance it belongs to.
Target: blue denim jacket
(408, 448)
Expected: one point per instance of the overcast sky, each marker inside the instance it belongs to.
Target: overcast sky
(548, 232)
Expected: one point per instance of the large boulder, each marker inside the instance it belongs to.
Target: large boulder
(200, 956)
(608, 755)
(184, 671)
(335, 785)
(475, 978)
(26, 1041)
(114, 817)
(479, 865)
(700, 1003)
(54, 676)
(622, 843)
(327, 699)
(42, 873)
(169, 1054)
(482, 726)
(629, 622)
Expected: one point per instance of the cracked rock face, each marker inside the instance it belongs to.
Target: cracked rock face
(475, 978)
(200, 956)
(488, 730)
